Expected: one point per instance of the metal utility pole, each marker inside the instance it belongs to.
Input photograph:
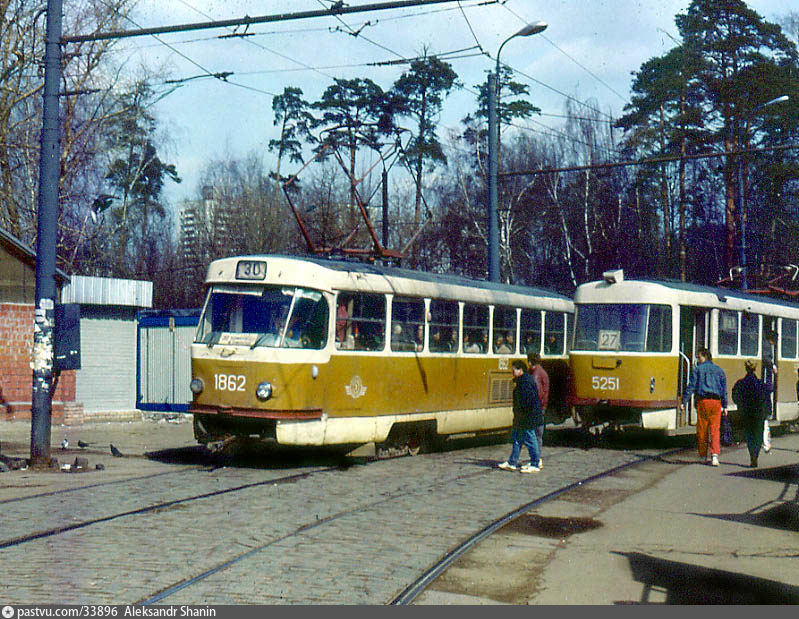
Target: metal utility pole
(493, 164)
(493, 153)
(46, 290)
(741, 189)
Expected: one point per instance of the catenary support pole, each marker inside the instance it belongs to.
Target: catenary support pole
(50, 155)
(493, 164)
(385, 208)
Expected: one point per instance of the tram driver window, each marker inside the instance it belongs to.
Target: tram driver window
(658, 332)
(307, 326)
(443, 326)
(728, 332)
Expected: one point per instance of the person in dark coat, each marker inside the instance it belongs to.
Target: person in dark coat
(752, 397)
(527, 416)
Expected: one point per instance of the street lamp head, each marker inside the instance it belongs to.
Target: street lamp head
(780, 99)
(529, 29)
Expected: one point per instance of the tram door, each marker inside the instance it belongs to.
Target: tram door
(768, 347)
(694, 323)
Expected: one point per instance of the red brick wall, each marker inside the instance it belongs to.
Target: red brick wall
(16, 384)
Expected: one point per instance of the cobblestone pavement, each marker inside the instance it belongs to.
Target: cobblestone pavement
(335, 535)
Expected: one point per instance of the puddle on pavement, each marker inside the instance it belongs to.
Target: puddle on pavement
(551, 526)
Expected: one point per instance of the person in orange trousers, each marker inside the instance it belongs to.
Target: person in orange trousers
(709, 383)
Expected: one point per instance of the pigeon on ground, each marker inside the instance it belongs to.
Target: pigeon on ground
(64, 443)
(115, 452)
(82, 444)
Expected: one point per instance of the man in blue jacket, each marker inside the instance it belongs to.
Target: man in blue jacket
(709, 384)
(527, 416)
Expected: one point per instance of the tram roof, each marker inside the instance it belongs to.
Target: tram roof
(722, 294)
(346, 266)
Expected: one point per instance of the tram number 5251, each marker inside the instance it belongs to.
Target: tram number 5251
(605, 383)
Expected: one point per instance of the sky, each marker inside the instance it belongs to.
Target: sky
(588, 52)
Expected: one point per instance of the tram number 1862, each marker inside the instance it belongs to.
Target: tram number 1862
(605, 383)
(229, 382)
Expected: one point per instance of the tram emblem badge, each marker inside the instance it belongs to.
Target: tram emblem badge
(356, 388)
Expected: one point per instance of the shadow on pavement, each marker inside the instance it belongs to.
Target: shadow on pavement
(684, 583)
(634, 438)
(788, 474)
(783, 515)
(254, 457)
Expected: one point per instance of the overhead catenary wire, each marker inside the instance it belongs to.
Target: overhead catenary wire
(654, 160)
(247, 20)
(575, 61)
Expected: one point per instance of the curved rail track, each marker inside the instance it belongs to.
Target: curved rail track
(309, 534)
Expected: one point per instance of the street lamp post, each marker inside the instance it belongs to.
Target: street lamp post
(493, 153)
(741, 196)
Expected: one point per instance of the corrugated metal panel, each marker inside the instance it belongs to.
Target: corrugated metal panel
(108, 291)
(158, 367)
(165, 359)
(107, 378)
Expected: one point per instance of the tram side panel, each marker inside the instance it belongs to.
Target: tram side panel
(352, 399)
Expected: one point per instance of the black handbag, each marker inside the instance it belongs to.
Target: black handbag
(726, 431)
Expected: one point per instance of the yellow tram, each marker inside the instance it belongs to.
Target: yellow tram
(635, 343)
(307, 351)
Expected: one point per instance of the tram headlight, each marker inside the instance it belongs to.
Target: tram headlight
(263, 391)
(196, 386)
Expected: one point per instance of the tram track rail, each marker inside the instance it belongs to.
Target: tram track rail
(53, 531)
(346, 514)
(418, 587)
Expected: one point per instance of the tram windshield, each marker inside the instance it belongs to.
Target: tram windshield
(269, 316)
(623, 327)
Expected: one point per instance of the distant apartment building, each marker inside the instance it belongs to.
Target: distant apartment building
(204, 229)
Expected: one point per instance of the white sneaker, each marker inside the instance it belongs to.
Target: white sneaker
(714, 461)
(529, 468)
(540, 463)
(507, 466)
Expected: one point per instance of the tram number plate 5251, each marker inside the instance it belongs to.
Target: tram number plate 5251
(605, 383)
(229, 382)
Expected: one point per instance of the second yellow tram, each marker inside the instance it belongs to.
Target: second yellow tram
(635, 342)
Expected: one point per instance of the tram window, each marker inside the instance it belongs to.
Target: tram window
(569, 331)
(554, 333)
(268, 316)
(728, 332)
(530, 328)
(505, 330)
(475, 328)
(788, 342)
(307, 325)
(750, 334)
(658, 333)
(365, 325)
(407, 324)
(611, 327)
(443, 326)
